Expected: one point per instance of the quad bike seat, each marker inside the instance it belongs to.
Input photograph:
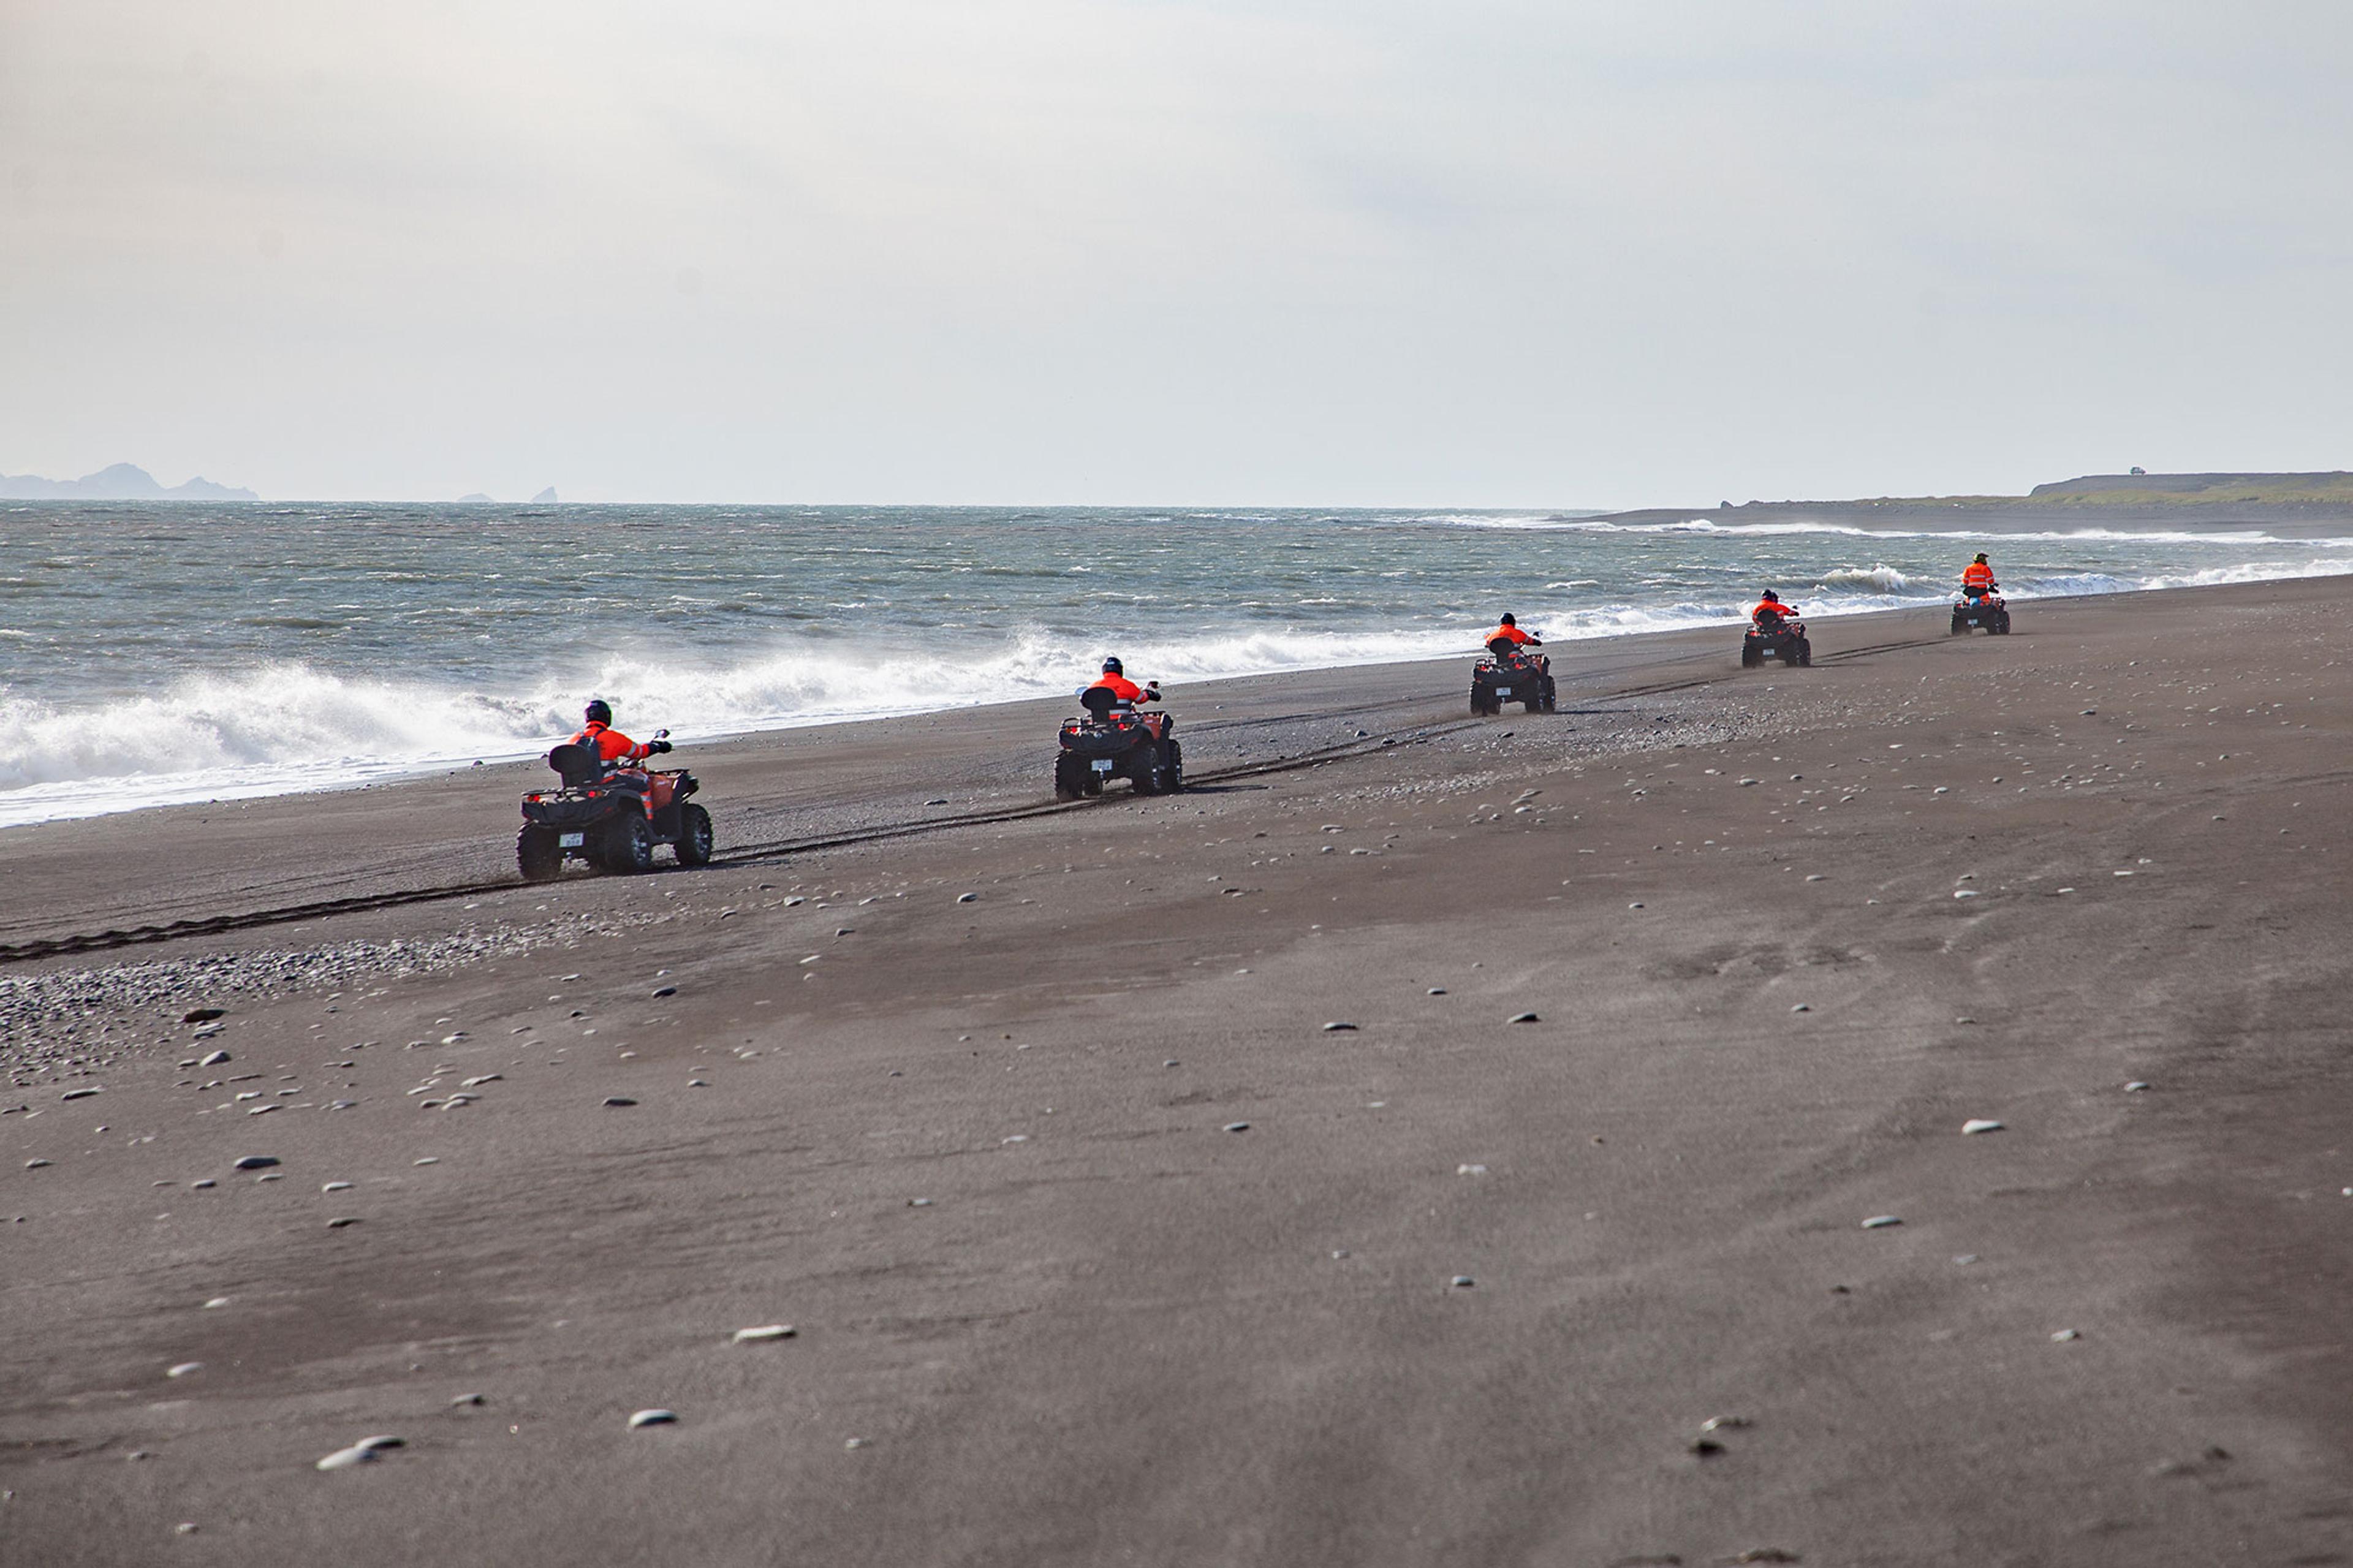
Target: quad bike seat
(576, 764)
(1099, 701)
(1502, 649)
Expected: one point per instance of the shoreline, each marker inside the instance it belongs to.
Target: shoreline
(374, 776)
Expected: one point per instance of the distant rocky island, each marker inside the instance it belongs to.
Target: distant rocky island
(122, 482)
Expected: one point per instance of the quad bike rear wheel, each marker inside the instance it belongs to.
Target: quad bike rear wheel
(1146, 769)
(1748, 657)
(1174, 779)
(627, 844)
(1069, 776)
(537, 855)
(695, 837)
(1805, 654)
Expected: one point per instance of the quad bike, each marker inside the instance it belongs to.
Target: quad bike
(610, 816)
(1111, 740)
(1778, 638)
(1509, 673)
(1988, 610)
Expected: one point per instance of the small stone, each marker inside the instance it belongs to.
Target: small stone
(214, 1060)
(1470, 1170)
(37, 1164)
(429, 1160)
(270, 1177)
(1965, 893)
(1016, 1138)
(967, 898)
(1723, 1422)
(653, 1418)
(1169, 1063)
(1881, 1222)
(342, 1220)
(2063, 1335)
(77, 1093)
(360, 1453)
(202, 1014)
(919, 1203)
(660, 991)
(215, 1304)
(1461, 1282)
(184, 1368)
(256, 1161)
(1706, 1447)
(1437, 991)
(1237, 1126)
(1966, 1259)
(1334, 1028)
(2137, 1087)
(466, 1399)
(937, 800)
(1633, 905)
(1803, 1007)
(1523, 1018)
(478, 1080)
(185, 1527)
(1979, 1124)
(618, 1100)
(855, 1443)
(206, 1181)
(763, 1334)
(336, 1187)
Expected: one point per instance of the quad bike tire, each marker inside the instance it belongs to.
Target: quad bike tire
(694, 836)
(1173, 780)
(1069, 776)
(1805, 654)
(1959, 626)
(2001, 627)
(1748, 658)
(537, 855)
(1147, 770)
(627, 844)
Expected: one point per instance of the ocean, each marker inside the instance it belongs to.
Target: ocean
(159, 653)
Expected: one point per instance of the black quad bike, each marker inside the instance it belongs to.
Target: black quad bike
(609, 816)
(1509, 673)
(1111, 740)
(1776, 637)
(1987, 610)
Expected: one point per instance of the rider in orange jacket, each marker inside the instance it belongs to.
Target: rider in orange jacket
(1770, 612)
(1976, 577)
(612, 748)
(1114, 680)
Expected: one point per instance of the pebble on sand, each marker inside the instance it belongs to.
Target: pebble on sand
(1461, 1282)
(1882, 1221)
(653, 1418)
(256, 1161)
(37, 1164)
(465, 1399)
(665, 991)
(2137, 1087)
(1523, 1018)
(763, 1334)
(338, 1222)
(618, 1100)
(2063, 1335)
(1236, 1127)
(1470, 1170)
(1437, 991)
(1723, 1422)
(1337, 1028)
(360, 1453)
(184, 1368)
(1979, 1125)
(215, 1304)
(214, 1060)
(967, 898)
(336, 1187)
(1803, 1007)
(78, 1094)
(203, 1014)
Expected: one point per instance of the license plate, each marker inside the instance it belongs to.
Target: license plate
(572, 840)
(1503, 692)
(1102, 764)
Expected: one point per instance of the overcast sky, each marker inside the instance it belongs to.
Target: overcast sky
(1467, 252)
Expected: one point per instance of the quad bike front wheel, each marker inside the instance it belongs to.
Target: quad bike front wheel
(694, 836)
(627, 845)
(1805, 654)
(538, 856)
(1145, 771)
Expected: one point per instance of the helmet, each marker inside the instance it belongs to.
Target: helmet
(1507, 619)
(1980, 557)
(599, 711)
(1773, 596)
(1113, 667)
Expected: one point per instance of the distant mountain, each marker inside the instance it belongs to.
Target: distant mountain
(473, 497)
(122, 481)
(545, 497)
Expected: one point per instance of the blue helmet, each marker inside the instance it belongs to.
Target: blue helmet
(599, 711)
(1113, 667)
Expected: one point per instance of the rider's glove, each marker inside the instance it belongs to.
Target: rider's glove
(656, 748)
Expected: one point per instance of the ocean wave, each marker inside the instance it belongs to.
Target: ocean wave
(1882, 579)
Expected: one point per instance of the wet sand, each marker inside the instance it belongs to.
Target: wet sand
(1099, 1246)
